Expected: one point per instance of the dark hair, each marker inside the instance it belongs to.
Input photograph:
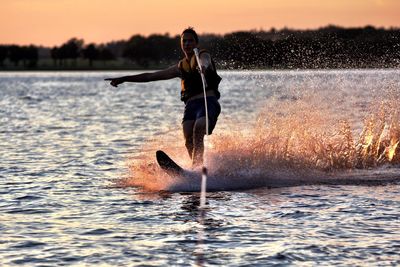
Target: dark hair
(191, 31)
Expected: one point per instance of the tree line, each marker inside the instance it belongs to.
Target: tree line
(15, 54)
(74, 48)
(328, 47)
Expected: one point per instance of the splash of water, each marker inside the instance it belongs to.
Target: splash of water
(300, 134)
(305, 137)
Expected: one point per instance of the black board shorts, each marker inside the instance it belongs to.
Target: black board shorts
(195, 109)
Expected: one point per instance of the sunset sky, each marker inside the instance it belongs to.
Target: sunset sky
(52, 22)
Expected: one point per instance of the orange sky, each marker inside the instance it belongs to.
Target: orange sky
(52, 22)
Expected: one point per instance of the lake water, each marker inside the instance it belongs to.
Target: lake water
(79, 185)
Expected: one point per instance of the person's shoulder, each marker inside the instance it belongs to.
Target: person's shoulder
(183, 64)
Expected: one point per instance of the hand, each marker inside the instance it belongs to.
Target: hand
(202, 69)
(114, 81)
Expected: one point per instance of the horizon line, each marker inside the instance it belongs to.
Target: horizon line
(261, 29)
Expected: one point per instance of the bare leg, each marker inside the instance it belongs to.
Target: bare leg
(194, 132)
(188, 134)
(199, 130)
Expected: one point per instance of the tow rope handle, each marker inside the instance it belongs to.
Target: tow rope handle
(203, 79)
(204, 169)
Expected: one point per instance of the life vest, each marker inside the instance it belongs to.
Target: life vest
(191, 79)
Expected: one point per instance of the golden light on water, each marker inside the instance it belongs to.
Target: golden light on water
(394, 133)
(392, 150)
(304, 138)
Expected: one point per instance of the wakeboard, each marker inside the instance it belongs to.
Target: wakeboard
(168, 165)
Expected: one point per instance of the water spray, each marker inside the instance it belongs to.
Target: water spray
(204, 169)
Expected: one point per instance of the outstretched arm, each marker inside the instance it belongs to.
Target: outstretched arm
(168, 73)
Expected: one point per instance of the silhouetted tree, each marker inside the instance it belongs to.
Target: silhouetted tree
(15, 54)
(105, 54)
(163, 48)
(71, 49)
(156, 48)
(30, 56)
(243, 50)
(116, 47)
(3, 54)
(327, 47)
(55, 55)
(91, 53)
(136, 50)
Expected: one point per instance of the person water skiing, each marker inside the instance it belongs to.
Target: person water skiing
(194, 121)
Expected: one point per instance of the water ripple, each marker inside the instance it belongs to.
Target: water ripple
(28, 244)
(66, 136)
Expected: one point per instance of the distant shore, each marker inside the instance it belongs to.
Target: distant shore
(124, 65)
(159, 67)
(329, 47)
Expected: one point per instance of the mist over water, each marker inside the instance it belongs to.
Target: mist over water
(321, 123)
(80, 186)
